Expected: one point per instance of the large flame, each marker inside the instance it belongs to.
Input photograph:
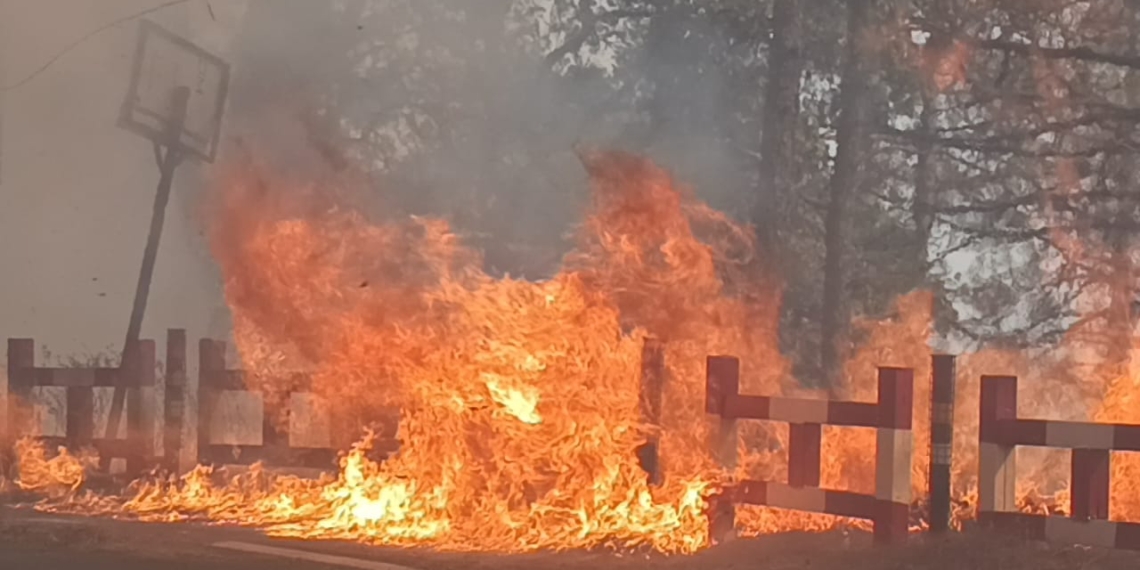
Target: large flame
(520, 415)
(519, 401)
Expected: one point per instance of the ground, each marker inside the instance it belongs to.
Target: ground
(35, 541)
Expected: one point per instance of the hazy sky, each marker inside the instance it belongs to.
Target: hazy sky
(77, 191)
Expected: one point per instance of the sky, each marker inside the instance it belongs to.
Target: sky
(77, 192)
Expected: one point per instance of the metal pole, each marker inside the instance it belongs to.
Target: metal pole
(128, 367)
(941, 440)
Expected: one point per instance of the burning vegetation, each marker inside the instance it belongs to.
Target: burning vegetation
(519, 401)
(520, 415)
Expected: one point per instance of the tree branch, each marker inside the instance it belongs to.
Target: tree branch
(1078, 53)
(589, 28)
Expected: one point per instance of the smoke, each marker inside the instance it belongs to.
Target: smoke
(452, 110)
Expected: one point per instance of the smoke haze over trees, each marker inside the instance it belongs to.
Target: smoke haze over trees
(981, 149)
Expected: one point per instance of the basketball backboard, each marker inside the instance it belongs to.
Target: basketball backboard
(164, 62)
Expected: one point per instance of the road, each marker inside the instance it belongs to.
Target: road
(36, 541)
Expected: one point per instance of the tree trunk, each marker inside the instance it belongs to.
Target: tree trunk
(924, 215)
(781, 106)
(1118, 340)
(844, 180)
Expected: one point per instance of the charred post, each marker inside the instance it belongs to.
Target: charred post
(140, 408)
(652, 391)
(174, 399)
(211, 366)
(722, 379)
(21, 380)
(804, 447)
(80, 416)
(941, 440)
(1091, 474)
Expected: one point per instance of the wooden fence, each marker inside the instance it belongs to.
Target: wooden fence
(216, 385)
(1000, 431)
(888, 508)
(278, 415)
(137, 447)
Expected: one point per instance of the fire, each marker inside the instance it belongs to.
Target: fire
(1120, 406)
(519, 403)
(55, 477)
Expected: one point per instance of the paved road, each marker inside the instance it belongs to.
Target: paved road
(34, 541)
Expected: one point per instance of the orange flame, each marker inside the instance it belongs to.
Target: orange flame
(56, 477)
(519, 401)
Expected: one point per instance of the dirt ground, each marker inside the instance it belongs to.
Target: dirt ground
(36, 541)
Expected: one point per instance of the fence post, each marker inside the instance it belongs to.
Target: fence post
(140, 410)
(21, 364)
(722, 379)
(211, 362)
(997, 461)
(80, 416)
(652, 387)
(893, 450)
(1088, 499)
(943, 374)
(174, 399)
(804, 447)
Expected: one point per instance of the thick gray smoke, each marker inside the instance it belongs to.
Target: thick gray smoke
(456, 110)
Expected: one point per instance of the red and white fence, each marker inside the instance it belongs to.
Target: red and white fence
(888, 508)
(1000, 431)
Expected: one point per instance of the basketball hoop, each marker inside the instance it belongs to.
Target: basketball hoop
(176, 98)
(164, 63)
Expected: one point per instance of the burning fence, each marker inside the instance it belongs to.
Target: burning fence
(520, 418)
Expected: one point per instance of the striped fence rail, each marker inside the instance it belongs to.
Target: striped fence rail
(79, 384)
(1000, 431)
(888, 508)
